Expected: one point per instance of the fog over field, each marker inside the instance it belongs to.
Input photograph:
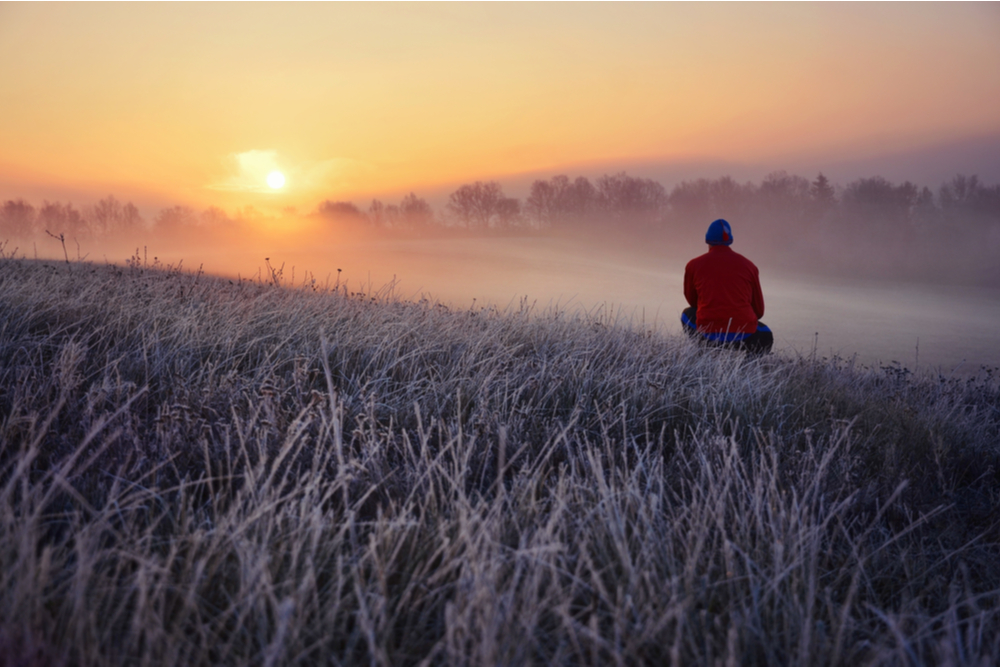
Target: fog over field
(884, 272)
(877, 320)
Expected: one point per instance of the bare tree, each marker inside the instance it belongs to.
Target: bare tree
(509, 213)
(692, 200)
(785, 196)
(110, 216)
(877, 203)
(960, 192)
(17, 219)
(631, 199)
(782, 186)
(476, 205)
(393, 216)
(541, 204)
(62, 219)
(131, 218)
(579, 200)
(704, 199)
(175, 218)
(415, 212)
(341, 211)
(964, 196)
(558, 202)
(376, 214)
(105, 215)
(214, 216)
(735, 200)
(925, 214)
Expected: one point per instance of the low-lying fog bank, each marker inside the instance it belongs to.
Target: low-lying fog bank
(951, 328)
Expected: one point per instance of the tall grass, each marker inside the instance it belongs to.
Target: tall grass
(197, 471)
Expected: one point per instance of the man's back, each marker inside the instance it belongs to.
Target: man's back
(724, 287)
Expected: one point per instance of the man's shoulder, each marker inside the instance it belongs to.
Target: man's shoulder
(735, 257)
(699, 265)
(724, 255)
(700, 259)
(745, 260)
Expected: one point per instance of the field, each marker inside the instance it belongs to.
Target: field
(198, 471)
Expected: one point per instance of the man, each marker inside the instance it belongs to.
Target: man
(723, 290)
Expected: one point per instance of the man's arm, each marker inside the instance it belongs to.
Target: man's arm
(690, 293)
(757, 296)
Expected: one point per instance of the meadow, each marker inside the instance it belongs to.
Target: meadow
(196, 470)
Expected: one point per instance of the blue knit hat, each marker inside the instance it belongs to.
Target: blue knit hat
(719, 233)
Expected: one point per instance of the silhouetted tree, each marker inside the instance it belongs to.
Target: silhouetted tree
(560, 202)
(704, 199)
(62, 219)
(376, 214)
(822, 193)
(509, 213)
(175, 218)
(580, 199)
(17, 219)
(110, 216)
(782, 187)
(960, 192)
(341, 211)
(965, 197)
(692, 200)
(878, 203)
(248, 213)
(105, 215)
(131, 217)
(925, 214)
(214, 215)
(393, 216)
(624, 197)
(476, 205)
(542, 202)
(415, 212)
(734, 200)
(784, 197)
(990, 202)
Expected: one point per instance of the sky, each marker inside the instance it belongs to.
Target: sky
(196, 104)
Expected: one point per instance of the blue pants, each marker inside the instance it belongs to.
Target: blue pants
(758, 342)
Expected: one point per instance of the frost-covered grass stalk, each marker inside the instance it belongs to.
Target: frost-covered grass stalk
(194, 472)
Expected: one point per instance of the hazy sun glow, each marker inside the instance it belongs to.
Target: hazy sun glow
(276, 180)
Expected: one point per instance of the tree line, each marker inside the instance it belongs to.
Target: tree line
(617, 202)
(620, 201)
(19, 219)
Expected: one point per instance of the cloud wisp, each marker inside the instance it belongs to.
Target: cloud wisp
(248, 172)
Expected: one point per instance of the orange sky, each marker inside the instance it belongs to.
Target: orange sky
(196, 103)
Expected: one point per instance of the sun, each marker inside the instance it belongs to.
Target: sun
(276, 180)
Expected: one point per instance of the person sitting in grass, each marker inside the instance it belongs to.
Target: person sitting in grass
(726, 302)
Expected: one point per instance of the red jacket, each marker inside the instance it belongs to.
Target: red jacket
(725, 288)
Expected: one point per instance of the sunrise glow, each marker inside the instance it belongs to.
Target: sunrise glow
(427, 96)
(276, 180)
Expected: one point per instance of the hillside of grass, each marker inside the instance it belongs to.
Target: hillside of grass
(198, 471)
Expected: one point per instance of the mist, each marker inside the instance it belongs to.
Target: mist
(873, 270)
